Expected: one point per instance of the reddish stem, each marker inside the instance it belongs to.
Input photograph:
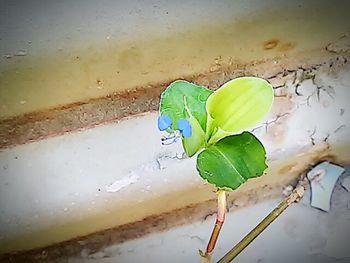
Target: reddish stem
(220, 218)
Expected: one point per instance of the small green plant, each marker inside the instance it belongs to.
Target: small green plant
(213, 124)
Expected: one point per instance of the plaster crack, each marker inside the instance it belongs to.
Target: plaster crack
(339, 128)
(312, 137)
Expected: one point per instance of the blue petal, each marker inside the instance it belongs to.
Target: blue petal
(164, 122)
(185, 127)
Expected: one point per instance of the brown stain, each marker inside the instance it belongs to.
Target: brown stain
(279, 45)
(270, 44)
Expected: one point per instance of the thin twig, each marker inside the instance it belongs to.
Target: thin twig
(293, 197)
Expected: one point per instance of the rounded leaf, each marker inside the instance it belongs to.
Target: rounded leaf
(232, 161)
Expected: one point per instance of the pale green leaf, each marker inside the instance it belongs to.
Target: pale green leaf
(236, 106)
(232, 161)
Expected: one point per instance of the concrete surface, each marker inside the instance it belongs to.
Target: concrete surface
(301, 234)
(62, 187)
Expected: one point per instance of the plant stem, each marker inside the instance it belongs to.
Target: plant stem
(293, 197)
(220, 218)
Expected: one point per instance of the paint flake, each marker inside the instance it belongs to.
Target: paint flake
(323, 178)
(122, 183)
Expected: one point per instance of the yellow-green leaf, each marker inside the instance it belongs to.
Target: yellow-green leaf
(236, 106)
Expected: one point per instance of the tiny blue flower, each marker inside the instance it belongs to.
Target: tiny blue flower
(184, 127)
(164, 122)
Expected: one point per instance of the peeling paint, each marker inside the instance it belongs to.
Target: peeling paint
(122, 183)
(323, 178)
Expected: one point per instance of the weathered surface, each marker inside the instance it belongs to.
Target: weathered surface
(309, 123)
(57, 190)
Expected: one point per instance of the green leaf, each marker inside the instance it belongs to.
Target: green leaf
(185, 100)
(237, 105)
(232, 161)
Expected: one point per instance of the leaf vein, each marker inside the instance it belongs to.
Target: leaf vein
(230, 163)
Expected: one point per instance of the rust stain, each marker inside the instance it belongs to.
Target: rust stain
(280, 45)
(270, 44)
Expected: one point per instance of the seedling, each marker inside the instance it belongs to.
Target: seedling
(213, 124)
